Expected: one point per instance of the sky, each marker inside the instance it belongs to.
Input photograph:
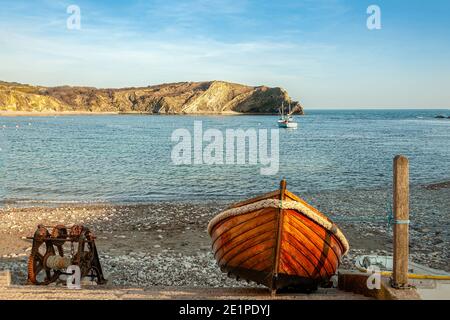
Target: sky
(320, 51)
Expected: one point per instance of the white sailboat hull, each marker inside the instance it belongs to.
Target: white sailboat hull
(283, 124)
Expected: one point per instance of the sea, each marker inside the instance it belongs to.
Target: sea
(129, 158)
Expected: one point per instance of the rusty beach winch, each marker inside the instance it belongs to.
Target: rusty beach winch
(48, 261)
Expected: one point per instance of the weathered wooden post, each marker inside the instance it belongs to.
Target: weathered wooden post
(401, 222)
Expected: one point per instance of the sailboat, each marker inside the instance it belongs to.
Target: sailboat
(287, 120)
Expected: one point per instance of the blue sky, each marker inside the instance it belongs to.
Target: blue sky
(319, 50)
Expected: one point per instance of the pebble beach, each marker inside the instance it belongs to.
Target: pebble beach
(166, 243)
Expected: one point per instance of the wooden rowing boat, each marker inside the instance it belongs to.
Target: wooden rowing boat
(277, 240)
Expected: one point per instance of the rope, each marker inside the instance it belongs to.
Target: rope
(401, 222)
(388, 219)
(277, 204)
(358, 219)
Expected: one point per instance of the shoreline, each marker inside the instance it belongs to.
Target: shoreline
(11, 113)
(49, 114)
(94, 113)
(38, 203)
(165, 243)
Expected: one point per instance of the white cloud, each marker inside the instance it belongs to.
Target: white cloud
(117, 51)
(90, 58)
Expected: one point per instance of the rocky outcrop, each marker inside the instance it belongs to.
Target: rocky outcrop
(174, 98)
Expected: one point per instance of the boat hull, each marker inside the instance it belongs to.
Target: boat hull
(291, 125)
(275, 244)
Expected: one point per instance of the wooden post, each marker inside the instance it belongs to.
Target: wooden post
(401, 222)
(276, 254)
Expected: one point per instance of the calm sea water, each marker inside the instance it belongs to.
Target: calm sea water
(128, 158)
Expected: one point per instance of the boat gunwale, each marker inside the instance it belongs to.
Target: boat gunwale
(273, 194)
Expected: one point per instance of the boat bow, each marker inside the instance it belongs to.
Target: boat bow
(277, 240)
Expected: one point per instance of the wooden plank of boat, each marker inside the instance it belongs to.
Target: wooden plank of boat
(277, 240)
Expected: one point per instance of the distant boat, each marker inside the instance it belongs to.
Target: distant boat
(277, 240)
(287, 120)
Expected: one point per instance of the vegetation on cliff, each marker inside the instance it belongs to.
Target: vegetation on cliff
(174, 98)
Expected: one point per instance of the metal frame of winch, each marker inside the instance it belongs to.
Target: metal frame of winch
(48, 261)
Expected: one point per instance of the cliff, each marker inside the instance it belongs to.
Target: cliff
(174, 98)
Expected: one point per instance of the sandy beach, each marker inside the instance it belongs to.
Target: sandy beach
(166, 244)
